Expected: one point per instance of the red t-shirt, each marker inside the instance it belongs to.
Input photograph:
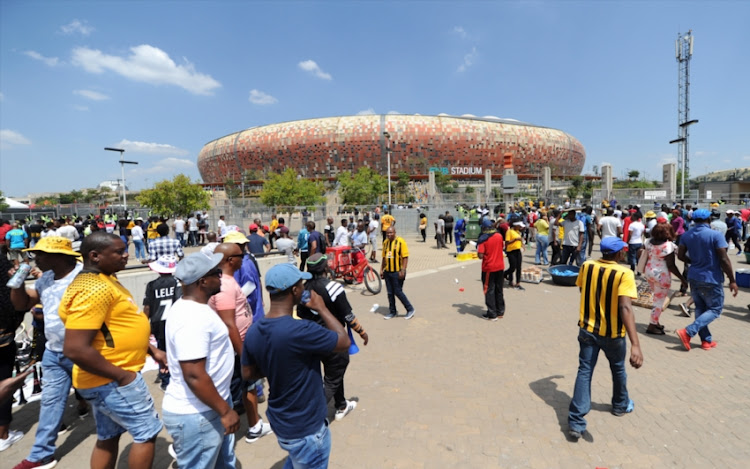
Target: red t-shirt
(493, 254)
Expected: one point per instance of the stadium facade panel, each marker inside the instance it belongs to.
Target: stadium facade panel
(463, 147)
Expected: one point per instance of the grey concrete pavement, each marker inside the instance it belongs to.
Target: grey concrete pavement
(449, 389)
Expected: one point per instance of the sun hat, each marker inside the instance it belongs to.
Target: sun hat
(284, 276)
(196, 266)
(731, 212)
(650, 214)
(317, 262)
(164, 264)
(54, 245)
(519, 223)
(701, 214)
(235, 237)
(612, 244)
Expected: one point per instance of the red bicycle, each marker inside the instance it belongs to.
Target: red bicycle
(352, 265)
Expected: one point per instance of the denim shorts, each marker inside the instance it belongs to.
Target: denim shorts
(120, 409)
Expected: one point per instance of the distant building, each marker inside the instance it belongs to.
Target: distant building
(113, 185)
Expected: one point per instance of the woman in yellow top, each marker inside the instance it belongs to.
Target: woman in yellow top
(423, 226)
(514, 248)
(542, 239)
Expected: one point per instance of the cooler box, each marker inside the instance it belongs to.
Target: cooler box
(743, 278)
(338, 256)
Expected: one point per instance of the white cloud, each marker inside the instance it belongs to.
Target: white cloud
(167, 165)
(2, 97)
(146, 64)
(460, 31)
(150, 148)
(312, 67)
(746, 157)
(49, 61)
(261, 98)
(366, 112)
(10, 138)
(81, 108)
(469, 60)
(92, 95)
(390, 113)
(77, 26)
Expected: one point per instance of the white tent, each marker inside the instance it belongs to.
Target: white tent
(14, 204)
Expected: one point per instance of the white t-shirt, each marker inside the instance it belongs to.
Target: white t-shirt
(374, 224)
(222, 227)
(137, 233)
(286, 246)
(68, 231)
(342, 237)
(179, 226)
(50, 293)
(572, 231)
(193, 224)
(636, 230)
(609, 226)
(194, 331)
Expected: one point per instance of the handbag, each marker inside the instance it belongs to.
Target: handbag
(641, 267)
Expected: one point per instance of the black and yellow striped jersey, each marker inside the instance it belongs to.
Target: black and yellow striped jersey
(602, 282)
(393, 252)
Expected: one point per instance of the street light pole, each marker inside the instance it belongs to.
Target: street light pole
(388, 156)
(122, 167)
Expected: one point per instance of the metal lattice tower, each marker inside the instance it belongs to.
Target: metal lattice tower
(683, 54)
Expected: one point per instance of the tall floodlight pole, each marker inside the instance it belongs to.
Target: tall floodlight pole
(388, 156)
(683, 54)
(122, 167)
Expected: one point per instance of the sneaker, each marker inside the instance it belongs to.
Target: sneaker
(13, 436)
(171, 451)
(47, 463)
(350, 406)
(575, 434)
(489, 318)
(684, 337)
(628, 409)
(253, 436)
(708, 345)
(389, 316)
(519, 287)
(409, 314)
(83, 413)
(63, 428)
(685, 310)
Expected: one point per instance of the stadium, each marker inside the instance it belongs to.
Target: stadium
(463, 147)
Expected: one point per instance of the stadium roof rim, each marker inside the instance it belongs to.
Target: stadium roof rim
(484, 119)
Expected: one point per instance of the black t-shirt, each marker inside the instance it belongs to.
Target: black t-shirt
(333, 295)
(317, 237)
(35, 231)
(161, 293)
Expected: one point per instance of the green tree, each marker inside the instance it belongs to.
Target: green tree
(443, 182)
(232, 189)
(180, 196)
(402, 185)
(469, 189)
(588, 190)
(3, 204)
(289, 189)
(362, 188)
(633, 174)
(572, 192)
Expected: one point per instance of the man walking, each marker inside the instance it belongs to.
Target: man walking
(393, 271)
(106, 337)
(606, 316)
(493, 265)
(706, 251)
(56, 260)
(197, 406)
(288, 352)
(573, 238)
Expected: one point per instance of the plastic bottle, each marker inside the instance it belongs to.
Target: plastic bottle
(18, 278)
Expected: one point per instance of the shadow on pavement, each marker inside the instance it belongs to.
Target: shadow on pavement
(737, 312)
(470, 309)
(546, 389)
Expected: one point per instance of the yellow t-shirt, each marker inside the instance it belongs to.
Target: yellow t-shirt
(542, 227)
(151, 232)
(274, 225)
(602, 283)
(386, 221)
(96, 301)
(512, 240)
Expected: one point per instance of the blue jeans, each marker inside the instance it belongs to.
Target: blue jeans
(709, 301)
(56, 383)
(310, 452)
(140, 250)
(181, 238)
(582, 255)
(633, 254)
(199, 440)
(614, 350)
(395, 286)
(542, 243)
(118, 409)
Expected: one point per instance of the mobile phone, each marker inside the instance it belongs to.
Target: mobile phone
(305, 297)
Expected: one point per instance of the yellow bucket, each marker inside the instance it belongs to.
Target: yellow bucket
(466, 256)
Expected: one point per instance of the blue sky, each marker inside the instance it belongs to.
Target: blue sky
(161, 79)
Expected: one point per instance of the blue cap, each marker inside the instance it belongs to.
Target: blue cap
(486, 222)
(284, 276)
(612, 244)
(701, 214)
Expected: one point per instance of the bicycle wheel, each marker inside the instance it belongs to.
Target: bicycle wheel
(372, 280)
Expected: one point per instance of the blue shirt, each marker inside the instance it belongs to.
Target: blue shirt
(316, 236)
(302, 239)
(258, 243)
(248, 273)
(288, 351)
(701, 243)
(15, 238)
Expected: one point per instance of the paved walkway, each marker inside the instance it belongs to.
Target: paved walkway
(449, 389)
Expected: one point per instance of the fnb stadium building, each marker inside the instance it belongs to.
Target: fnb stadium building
(463, 147)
